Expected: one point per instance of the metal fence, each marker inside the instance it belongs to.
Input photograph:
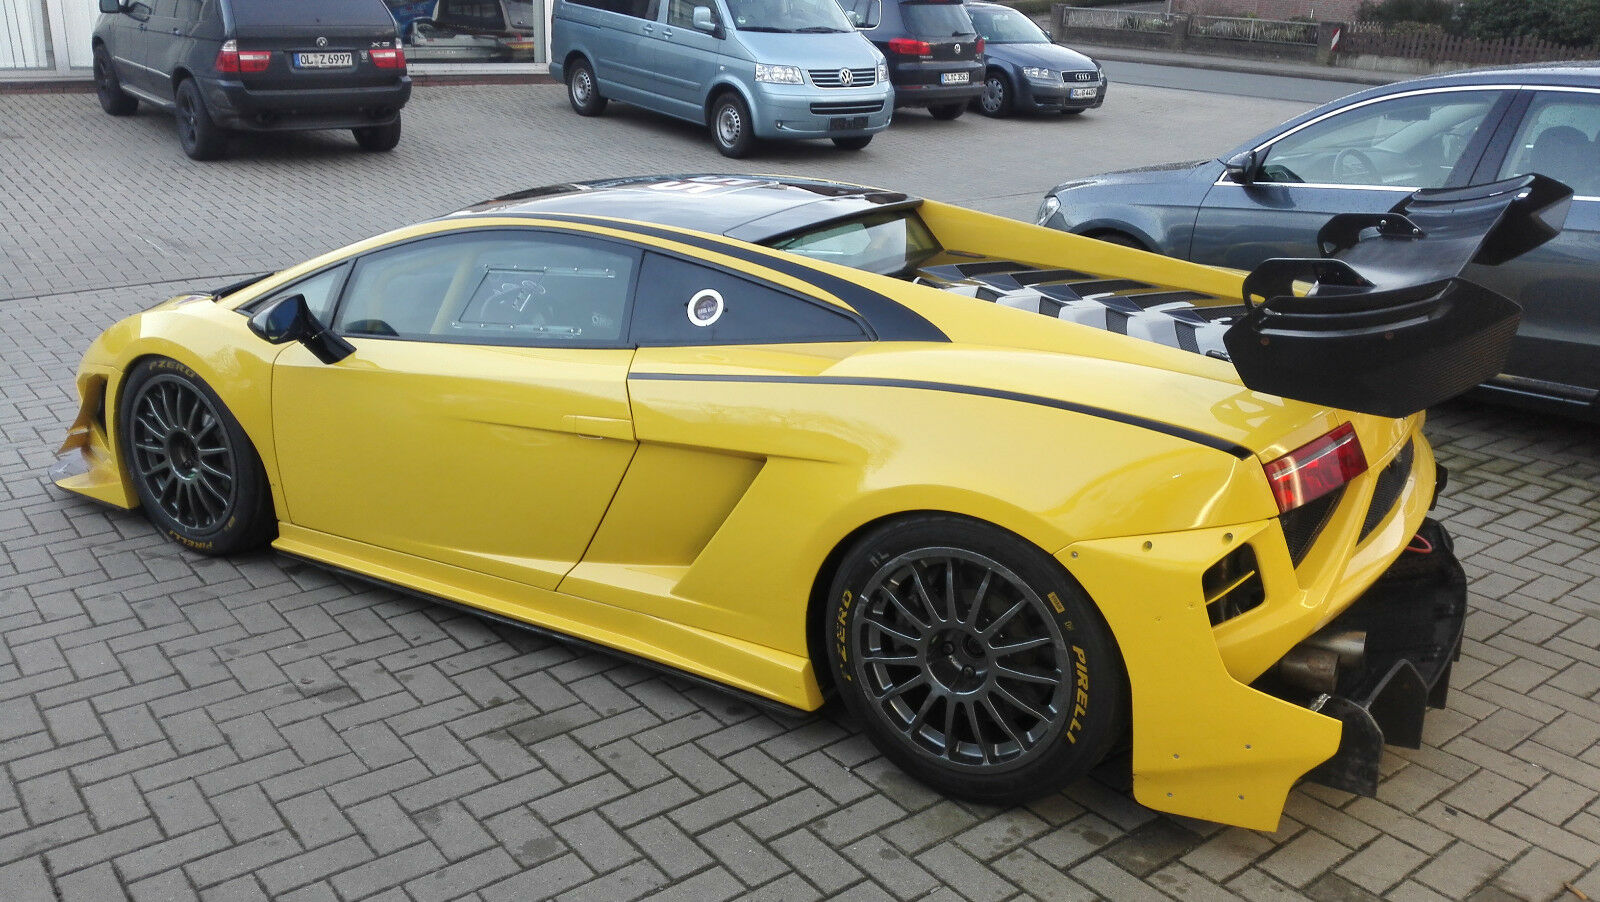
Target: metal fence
(1120, 19)
(1265, 31)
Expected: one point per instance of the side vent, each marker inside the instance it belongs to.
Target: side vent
(1232, 585)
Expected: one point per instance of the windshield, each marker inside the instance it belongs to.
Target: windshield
(891, 243)
(797, 16)
(1007, 26)
(936, 20)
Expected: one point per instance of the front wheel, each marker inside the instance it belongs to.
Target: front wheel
(582, 90)
(996, 97)
(378, 138)
(108, 86)
(947, 110)
(197, 476)
(731, 127)
(973, 660)
(855, 143)
(201, 138)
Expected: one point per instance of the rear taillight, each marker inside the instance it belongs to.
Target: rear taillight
(231, 59)
(389, 58)
(980, 47)
(1316, 468)
(910, 47)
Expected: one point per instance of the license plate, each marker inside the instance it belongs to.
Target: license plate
(1084, 93)
(843, 123)
(324, 60)
(953, 78)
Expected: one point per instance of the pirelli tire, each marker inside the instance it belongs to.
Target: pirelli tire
(198, 477)
(973, 660)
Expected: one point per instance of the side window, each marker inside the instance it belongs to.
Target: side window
(1407, 142)
(320, 292)
(639, 9)
(680, 13)
(1560, 138)
(862, 13)
(188, 13)
(512, 287)
(683, 303)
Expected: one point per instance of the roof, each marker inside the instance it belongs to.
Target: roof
(749, 208)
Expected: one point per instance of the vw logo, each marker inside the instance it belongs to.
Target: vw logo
(958, 48)
(846, 77)
(322, 42)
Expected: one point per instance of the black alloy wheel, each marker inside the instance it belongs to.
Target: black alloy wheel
(378, 138)
(108, 87)
(201, 138)
(973, 660)
(196, 474)
(947, 110)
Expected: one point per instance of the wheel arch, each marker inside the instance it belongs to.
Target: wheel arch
(1126, 233)
(716, 90)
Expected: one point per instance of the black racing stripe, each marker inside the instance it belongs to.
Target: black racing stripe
(891, 320)
(1116, 416)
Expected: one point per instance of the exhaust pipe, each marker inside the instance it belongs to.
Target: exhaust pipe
(1314, 663)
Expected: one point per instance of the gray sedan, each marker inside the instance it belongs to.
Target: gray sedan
(1364, 153)
(1026, 71)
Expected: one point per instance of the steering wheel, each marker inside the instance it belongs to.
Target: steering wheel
(1355, 165)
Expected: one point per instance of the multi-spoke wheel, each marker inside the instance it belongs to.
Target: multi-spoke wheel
(108, 86)
(200, 137)
(973, 660)
(196, 473)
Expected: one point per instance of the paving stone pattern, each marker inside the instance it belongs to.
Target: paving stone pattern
(178, 727)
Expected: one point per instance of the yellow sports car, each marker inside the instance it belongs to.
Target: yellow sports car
(798, 437)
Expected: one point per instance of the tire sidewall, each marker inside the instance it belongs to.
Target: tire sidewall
(1094, 704)
(741, 144)
(249, 522)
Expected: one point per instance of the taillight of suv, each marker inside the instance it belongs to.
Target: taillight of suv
(389, 58)
(231, 59)
(910, 47)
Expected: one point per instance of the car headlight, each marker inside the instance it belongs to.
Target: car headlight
(1049, 208)
(779, 75)
(883, 71)
(1036, 72)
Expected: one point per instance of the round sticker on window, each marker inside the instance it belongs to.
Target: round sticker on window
(706, 307)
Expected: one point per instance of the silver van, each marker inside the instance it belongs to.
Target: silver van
(749, 69)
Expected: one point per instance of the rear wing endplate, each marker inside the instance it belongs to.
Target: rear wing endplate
(1390, 326)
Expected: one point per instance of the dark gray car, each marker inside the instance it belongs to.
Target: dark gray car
(1026, 71)
(254, 65)
(1364, 153)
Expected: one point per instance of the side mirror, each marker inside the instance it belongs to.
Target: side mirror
(702, 19)
(1241, 167)
(289, 319)
(111, 6)
(1050, 35)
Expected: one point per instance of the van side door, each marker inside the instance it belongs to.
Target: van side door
(686, 57)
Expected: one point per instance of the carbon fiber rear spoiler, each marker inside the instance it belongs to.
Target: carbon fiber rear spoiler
(1390, 325)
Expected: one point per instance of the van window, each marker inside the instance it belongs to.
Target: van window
(936, 20)
(863, 13)
(639, 9)
(805, 16)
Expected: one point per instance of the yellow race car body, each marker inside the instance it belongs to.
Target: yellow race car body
(688, 503)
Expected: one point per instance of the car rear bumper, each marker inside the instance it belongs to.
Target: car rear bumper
(921, 84)
(234, 105)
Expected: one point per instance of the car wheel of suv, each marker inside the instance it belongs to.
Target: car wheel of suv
(378, 138)
(973, 660)
(582, 91)
(202, 139)
(855, 143)
(996, 97)
(113, 99)
(947, 110)
(731, 127)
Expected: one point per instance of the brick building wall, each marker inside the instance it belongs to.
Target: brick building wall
(1321, 10)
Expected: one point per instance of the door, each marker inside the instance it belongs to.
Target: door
(1558, 283)
(167, 39)
(483, 420)
(1365, 158)
(129, 45)
(686, 57)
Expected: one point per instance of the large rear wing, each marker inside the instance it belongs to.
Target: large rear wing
(1390, 326)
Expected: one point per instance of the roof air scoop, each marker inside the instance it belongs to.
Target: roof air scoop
(1389, 325)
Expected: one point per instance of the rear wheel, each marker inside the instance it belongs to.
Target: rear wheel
(855, 143)
(731, 128)
(108, 86)
(947, 110)
(996, 97)
(378, 138)
(201, 138)
(582, 90)
(197, 476)
(973, 660)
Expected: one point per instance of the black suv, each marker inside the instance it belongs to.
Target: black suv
(935, 55)
(257, 65)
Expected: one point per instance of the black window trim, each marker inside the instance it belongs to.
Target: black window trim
(249, 307)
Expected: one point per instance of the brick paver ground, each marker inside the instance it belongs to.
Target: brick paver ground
(177, 727)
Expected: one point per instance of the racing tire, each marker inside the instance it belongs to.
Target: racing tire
(378, 138)
(996, 99)
(200, 136)
(108, 87)
(731, 128)
(947, 111)
(583, 92)
(856, 143)
(973, 660)
(198, 477)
